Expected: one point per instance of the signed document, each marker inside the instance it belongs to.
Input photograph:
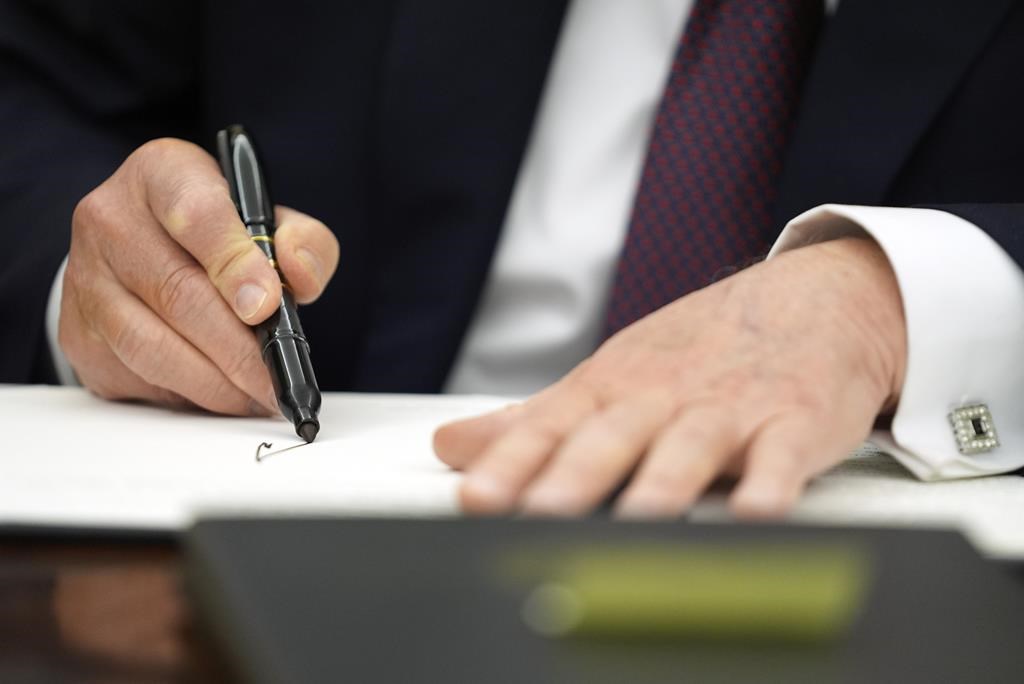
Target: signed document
(71, 459)
(68, 459)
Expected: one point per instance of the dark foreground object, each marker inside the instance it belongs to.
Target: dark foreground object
(364, 600)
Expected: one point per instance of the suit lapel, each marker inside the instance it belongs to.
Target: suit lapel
(882, 73)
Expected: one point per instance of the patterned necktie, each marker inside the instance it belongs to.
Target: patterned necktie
(704, 203)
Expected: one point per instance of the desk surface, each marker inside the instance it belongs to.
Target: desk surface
(108, 612)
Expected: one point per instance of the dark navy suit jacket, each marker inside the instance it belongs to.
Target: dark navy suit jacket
(402, 124)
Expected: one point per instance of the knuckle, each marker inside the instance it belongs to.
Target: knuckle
(158, 146)
(229, 261)
(610, 435)
(704, 422)
(217, 395)
(158, 150)
(180, 293)
(242, 364)
(806, 398)
(593, 381)
(700, 432)
(539, 428)
(194, 205)
(94, 211)
(206, 393)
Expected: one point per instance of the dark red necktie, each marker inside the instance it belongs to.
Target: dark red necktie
(709, 182)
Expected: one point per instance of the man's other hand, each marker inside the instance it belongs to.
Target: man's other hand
(772, 375)
(163, 282)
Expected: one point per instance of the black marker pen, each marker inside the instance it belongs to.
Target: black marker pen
(285, 350)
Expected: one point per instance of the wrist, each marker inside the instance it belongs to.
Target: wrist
(867, 280)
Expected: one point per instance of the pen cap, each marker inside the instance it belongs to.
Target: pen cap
(241, 166)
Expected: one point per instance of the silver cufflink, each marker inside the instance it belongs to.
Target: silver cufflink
(974, 430)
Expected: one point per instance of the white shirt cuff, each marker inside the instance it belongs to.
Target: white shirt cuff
(65, 374)
(963, 300)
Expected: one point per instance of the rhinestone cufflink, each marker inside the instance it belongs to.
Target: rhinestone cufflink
(974, 430)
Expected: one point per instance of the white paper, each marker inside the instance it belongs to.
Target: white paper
(68, 459)
(71, 459)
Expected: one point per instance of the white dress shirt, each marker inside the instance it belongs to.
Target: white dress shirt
(543, 304)
(542, 307)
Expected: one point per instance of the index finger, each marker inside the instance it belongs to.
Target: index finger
(496, 479)
(186, 192)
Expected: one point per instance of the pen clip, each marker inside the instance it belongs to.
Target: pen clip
(240, 164)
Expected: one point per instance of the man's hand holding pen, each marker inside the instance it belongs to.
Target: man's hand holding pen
(163, 283)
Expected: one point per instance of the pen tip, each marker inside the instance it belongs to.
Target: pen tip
(307, 430)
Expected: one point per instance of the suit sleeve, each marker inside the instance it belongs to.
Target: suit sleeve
(81, 85)
(962, 286)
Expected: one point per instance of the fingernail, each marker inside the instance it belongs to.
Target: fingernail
(484, 490)
(249, 299)
(312, 263)
(759, 503)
